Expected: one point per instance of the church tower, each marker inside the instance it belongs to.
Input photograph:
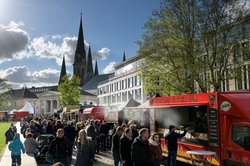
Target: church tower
(96, 69)
(63, 71)
(124, 57)
(79, 66)
(89, 71)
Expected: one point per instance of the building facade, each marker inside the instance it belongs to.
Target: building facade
(123, 85)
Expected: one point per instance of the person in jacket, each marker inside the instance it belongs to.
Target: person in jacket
(104, 130)
(171, 141)
(115, 149)
(70, 133)
(31, 145)
(97, 131)
(134, 131)
(60, 149)
(155, 149)
(9, 135)
(49, 127)
(140, 149)
(85, 150)
(125, 147)
(16, 147)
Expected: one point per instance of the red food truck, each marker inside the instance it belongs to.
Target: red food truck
(95, 113)
(218, 122)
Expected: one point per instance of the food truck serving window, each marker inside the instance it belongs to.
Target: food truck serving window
(241, 136)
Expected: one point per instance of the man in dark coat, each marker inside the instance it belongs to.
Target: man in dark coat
(171, 140)
(9, 134)
(70, 133)
(59, 148)
(125, 147)
(140, 149)
(116, 145)
(104, 130)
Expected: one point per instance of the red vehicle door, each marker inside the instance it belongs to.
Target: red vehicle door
(238, 144)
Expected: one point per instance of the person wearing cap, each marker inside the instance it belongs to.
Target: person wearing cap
(16, 147)
(171, 140)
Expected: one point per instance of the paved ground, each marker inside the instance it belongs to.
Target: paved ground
(103, 159)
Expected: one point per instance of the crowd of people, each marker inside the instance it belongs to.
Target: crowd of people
(130, 146)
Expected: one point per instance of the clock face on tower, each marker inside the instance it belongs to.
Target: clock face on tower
(78, 55)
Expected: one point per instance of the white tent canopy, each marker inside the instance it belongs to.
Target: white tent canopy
(12, 111)
(27, 108)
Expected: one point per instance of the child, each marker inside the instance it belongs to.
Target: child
(15, 147)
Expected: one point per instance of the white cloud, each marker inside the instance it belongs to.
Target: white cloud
(68, 48)
(15, 44)
(20, 76)
(110, 68)
(17, 74)
(44, 48)
(102, 53)
(57, 36)
(47, 75)
(13, 41)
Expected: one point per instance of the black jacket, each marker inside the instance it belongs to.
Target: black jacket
(171, 140)
(115, 144)
(104, 129)
(70, 133)
(125, 150)
(59, 148)
(140, 153)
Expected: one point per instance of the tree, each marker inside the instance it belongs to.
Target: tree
(4, 88)
(176, 48)
(69, 90)
(220, 25)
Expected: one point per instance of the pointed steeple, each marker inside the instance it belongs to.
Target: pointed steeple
(96, 69)
(80, 47)
(63, 71)
(89, 65)
(124, 57)
(79, 66)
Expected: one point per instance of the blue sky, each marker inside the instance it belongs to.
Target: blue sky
(35, 34)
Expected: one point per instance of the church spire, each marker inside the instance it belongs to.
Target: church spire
(79, 66)
(63, 71)
(80, 54)
(96, 69)
(89, 65)
(124, 57)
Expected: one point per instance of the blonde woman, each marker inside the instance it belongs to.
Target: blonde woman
(85, 150)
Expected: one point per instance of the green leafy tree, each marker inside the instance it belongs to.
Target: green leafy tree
(179, 46)
(69, 90)
(4, 88)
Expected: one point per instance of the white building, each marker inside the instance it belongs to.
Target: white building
(124, 84)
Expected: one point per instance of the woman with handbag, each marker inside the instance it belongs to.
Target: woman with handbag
(85, 150)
